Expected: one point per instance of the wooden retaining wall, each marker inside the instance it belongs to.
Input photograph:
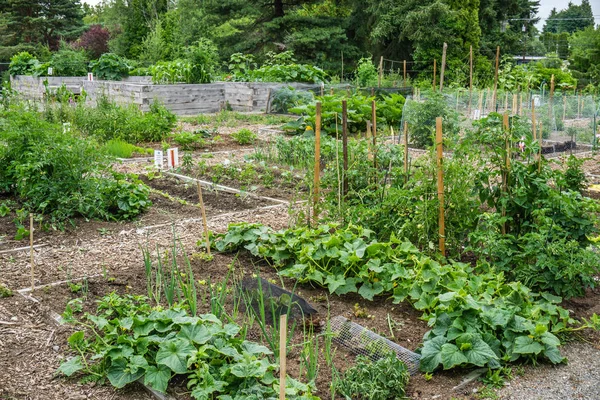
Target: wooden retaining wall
(181, 99)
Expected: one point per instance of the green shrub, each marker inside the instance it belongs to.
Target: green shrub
(384, 379)
(62, 175)
(112, 121)
(244, 136)
(170, 72)
(67, 62)
(110, 67)
(22, 63)
(203, 58)
(366, 73)
(189, 140)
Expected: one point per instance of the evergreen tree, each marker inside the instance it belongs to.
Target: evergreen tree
(571, 19)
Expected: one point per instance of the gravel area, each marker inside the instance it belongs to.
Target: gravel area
(579, 379)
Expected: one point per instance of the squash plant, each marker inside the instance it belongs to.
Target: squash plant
(132, 340)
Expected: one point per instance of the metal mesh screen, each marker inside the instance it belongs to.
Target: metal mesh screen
(361, 341)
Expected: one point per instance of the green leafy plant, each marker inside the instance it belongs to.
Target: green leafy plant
(122, 149)
(22, 63)
(383, 379)
(132, 340)
(244, 136)
(110, 67)
(366, 74)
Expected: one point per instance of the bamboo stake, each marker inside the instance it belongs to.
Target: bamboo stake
(317, 162)
(494, 98)
(505, 101)
(405, 151)
(345, 144)
(470, 78)
(440, 184)
(514, 104)
(282, 355)
(533, 118)
(434, 73)
(444, 48)
(551, 100)
(204, 223)
(404, 72)
(380, 72)
(31, 251)
(374, 130)
(505, 126)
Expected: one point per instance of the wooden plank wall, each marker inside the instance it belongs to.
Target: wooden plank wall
(183, 99)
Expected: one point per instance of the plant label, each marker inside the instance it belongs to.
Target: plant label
(537, 100)
(50, 71)
(476, 114)
(158, 159)
(173, 157)
(90, 77)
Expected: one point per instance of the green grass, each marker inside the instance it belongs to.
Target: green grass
(121, 149)
(231, 117)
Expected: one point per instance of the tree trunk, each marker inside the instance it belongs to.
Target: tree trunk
(278, 8)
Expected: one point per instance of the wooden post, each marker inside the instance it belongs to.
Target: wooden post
(494, 98)
(203, 212)
(434, 72)
(282, 355)
(31, 251)
(268, 107)
(374, 130)
(317, 162)
(470, 78)
(443, 66)
(505, 126)
(440, 184)
(404, 72)
(551, 100)
(331, 91)
(405, 151)
(345, 144)
(533, 118)
(342, 77)
(514, 105)
(380, 72)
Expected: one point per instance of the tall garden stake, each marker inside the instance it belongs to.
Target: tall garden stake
(374, 128)
(31, 251)
(440, 183)
(317, 162)
(405, 151)
(282, 355)
(444, 48)
(345, 144)
(204, 223)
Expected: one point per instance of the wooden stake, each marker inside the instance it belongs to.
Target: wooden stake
(317, 162)
(404, 72)
(470, 78)
(322, 89)
(345, 144)
(521, 104)
(374, 127)
(331, 91)
(514, 105)
(434, 73)
(496, 79)
(443, 66)
(405, 151)
(505, 126)
(380, 72)
(505, 101)
(533, 118)
(204, 224)
(551, 101)
(541, 135)
(268, 107)
(31, 251)
(440, 183)
(282, 355)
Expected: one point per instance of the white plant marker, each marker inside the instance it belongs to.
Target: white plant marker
(50, 71)
(158, 159)
(90, 77)
(173, 157)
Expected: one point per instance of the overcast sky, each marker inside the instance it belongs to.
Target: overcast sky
(544, 11)
(547, 5)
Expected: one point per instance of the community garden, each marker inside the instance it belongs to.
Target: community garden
(365, 241)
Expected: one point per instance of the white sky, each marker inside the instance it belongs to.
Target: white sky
(544, 10)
